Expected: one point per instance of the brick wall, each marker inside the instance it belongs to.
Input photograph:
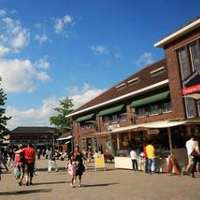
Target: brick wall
(174, 75)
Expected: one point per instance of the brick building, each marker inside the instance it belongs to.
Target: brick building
(157, 102)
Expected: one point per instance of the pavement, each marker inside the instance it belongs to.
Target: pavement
(111, 184)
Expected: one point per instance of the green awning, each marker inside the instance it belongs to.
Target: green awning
(151, 99)
(111, 110)
(85, 118)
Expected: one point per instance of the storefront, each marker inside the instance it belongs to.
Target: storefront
(167, 136)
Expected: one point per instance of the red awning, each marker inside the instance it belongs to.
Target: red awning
(192, 89)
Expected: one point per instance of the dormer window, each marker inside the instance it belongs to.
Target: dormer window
(158, 71)
(120, 86)
(134, 80)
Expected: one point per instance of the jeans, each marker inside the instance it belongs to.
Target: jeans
(151, 165)
(135, 165)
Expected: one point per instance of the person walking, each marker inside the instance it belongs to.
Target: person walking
(150, 153)
(52, 161)
(29, 157)
(133, 156)
(71, 167)
(80, 169)
(193, 152)
(19, 164)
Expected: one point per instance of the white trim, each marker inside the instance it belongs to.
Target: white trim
(133, 80)
(121, 97)
(178, 33)
(157, 70)
(121, 85)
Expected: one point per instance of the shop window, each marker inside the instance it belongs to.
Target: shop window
(141, 111)
(155, 109)
(195, 55)
(166, 107)
(190, 107)
(184, 63)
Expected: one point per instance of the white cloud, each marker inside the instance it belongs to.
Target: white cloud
(3, 12)
(43, 76)
(40, 116)
(21, 75)
(41, 38)
(99, 49)
(3, 51)
(13, 35)
(82, 95)
(62, 23)
(145, 59)
(32, 116)
(43, 63)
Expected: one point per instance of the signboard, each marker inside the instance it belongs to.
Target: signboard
(99, 161)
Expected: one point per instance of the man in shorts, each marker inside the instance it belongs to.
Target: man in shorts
(29, 156)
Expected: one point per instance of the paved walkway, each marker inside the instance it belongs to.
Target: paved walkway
(101, 185)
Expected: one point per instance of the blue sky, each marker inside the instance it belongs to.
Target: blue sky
(53, 49)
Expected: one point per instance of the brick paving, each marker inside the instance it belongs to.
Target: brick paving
(101, 185)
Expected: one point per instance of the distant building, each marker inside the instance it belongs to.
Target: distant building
(36, 135)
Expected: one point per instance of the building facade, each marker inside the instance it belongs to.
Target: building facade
(160, 102)
(38, 136)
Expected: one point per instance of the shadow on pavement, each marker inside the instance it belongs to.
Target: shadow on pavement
(99, 185)
(25, 192)
(51, 183)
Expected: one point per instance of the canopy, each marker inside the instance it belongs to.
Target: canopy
(150, 99)
(85, 118)
(111, 110)
(159, 124)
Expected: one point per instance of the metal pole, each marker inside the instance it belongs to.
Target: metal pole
(170, 139)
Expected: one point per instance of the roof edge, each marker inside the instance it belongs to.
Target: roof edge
(178, 33)
(120, 97)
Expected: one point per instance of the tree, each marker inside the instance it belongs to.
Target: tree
(59, 120)
(3, 117)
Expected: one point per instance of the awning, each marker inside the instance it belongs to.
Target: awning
(191, 89)
(159, 124)
(111, 110)
(64, 138)
(151, 99)
(85, 118)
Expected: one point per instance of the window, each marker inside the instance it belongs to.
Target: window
(166, 107)
(195, 55)
(184, 63)
(198, 107)
(190, 107)
(155, 109)
(141, 111)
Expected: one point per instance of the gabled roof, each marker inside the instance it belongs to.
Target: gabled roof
(136, 82)
(33, 129)
(178, 33)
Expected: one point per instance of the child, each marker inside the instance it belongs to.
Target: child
(72, 171)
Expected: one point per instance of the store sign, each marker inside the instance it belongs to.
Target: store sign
(154, 131)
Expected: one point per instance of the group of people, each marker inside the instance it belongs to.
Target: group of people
(24, 164)
(147, 159)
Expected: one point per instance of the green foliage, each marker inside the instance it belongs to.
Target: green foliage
(3, 117)
(59, 120)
